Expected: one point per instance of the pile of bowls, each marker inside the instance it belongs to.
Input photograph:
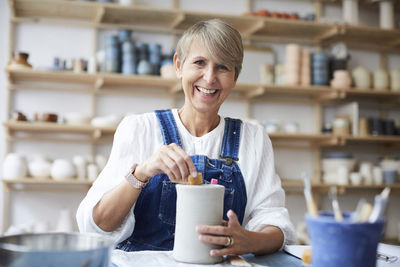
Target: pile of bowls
(320, 68)
(336, 167)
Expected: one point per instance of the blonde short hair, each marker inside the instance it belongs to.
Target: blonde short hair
(220, 39)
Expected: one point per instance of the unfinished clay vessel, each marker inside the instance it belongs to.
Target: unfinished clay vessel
(196, 205)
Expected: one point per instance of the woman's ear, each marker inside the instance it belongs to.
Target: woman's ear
(177, 66)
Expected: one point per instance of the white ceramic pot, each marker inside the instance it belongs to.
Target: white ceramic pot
(39, 167)
(62, 169)
(381, 80)
(196, 205)
(361, 78)
(350, 11)
(14, 166)
(377, 175)
(291, 127)
(272, 126)
(355, 178)
(76, 118)
(92, 171)
(395, 80)
(386, 14)
(80, 166)
(366, 172)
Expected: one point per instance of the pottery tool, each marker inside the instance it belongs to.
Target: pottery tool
(196, 180)
(335, 204)
(311, 207)
(236, 260)
(362, 212)
(379, 205)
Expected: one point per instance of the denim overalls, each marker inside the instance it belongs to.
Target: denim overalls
(155, 208)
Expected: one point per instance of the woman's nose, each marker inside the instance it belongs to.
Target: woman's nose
(209, 74)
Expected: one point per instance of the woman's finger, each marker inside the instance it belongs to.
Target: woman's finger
(184, 161)
(212, 229)
(187, 160)
(169, 166)
(217, 240)
(222, 252)
(233, 219)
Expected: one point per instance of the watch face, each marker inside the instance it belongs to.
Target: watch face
(339, 51)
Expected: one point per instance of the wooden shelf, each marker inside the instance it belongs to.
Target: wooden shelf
(29, 184)
(297, 185)
(374, 139)
(96, 81)
(48, 127)
(151, 19)
(30, 180)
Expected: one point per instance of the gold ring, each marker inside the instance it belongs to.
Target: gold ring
(229, 241)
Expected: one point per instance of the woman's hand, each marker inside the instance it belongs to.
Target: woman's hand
(220, 235)
(169, 159)
(237, 240)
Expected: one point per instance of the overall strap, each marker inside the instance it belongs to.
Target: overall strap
(168, 127)
(231, 141)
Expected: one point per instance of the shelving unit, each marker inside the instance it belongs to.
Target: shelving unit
(100, 16)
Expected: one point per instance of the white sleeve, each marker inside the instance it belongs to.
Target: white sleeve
(120, 160)
(266, 201)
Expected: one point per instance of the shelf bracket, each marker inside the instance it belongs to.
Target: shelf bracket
(254, 28)
(335, 30)
(335, 94)
(177, 20)
(96, 133)
(254, 93)
(99, 83)
(99, 15)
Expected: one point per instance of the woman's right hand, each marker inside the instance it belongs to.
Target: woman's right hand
(169, 159)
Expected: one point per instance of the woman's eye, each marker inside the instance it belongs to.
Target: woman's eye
(223, 67)
(199, 62)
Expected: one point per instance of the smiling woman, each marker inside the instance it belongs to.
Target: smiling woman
(134, 197)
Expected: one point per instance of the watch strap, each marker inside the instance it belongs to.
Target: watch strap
(133, 181)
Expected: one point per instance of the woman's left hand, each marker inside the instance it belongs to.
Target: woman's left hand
(231, 235)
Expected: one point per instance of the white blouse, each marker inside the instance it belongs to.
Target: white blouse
(139, 136)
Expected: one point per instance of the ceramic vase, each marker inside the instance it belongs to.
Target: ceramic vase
(39, 167)
(381, 80)
(14, 166)
(62, 169)
(196, 205)
(395, 80)
(361, 78)
(350, 11)
(386, 14)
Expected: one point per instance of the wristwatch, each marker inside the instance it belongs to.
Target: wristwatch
(133, 181)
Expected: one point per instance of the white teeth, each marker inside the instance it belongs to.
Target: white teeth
(206, 91)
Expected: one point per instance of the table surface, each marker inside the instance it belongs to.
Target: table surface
(165, 259)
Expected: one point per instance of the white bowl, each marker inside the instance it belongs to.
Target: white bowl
(331, 165)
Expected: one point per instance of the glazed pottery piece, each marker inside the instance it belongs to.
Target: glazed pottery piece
(381, 80)
(80, 166)
(14, 166)
(39, 167)
(62, 169)
(361, 77)
(196, 205)
(386, 14)
(395, 80)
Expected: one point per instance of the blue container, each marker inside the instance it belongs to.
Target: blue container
(390, 176)
(124, 35)
(343, 244)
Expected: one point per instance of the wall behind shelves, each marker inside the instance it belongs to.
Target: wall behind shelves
(44, 42)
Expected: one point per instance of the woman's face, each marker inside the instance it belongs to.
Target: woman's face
(206, 83)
